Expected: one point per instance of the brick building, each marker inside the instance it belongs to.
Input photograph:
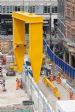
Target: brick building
(66, 29)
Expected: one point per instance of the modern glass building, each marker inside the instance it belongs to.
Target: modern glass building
(41, 7)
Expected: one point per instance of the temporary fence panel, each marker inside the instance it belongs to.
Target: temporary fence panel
(14, 109)
(69, 70)
(40, 102)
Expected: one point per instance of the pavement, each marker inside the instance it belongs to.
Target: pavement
(63, 90)
(11, 96)
(49, 94)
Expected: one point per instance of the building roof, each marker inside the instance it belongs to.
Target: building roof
(28, 2)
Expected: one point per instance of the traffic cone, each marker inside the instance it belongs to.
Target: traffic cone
(58, 79)
(20, 84)
(17, 83)
(71, 95)
(58, 98)
(51, 77)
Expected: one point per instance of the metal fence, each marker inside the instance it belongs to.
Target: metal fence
(69, 70)
(40, 102)
(15, 108)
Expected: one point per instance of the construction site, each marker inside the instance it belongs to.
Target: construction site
(31, 79)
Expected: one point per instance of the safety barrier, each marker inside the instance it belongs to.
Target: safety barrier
(40, 102)
(15, 108)
(69, 70)
(54, 89)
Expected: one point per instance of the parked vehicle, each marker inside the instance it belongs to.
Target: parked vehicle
(10, 73)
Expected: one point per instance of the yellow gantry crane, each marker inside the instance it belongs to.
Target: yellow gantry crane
(35, 41)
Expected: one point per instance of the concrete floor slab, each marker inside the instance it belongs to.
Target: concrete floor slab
(11, 96)
(49, 94)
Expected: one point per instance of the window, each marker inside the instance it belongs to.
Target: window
(30, 9)
(68, 12)
(33, 9)
(22, 8)
(18, 8)
(15, 8)
(45, 9)
(54, 9)
(0, 8)
(3, 9)
(73, 33)
(48, 9)
(7, 9)
(26, 8)
(10, 9)
(73, 11)
(37, 7)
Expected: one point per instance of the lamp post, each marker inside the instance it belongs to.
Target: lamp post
(23, 6)
(50, 22)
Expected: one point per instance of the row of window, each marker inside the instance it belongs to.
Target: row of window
(33, 9)
(66, 30)
(70, 13)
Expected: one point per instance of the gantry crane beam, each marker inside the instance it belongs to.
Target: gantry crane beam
(35, 41)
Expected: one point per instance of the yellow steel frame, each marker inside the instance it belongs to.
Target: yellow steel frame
(35, 41)
(52, 86)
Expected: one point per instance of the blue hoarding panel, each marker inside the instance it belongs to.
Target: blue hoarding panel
(63, 65)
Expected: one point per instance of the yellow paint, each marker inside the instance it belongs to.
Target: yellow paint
(19, 42)
(35, 41)
(27, 17)
(52, 86)
(19, 54)
(36, 48)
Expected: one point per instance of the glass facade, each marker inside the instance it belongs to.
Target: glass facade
(43, 7)
(33, 9)
(39, 8)
(61, 18)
